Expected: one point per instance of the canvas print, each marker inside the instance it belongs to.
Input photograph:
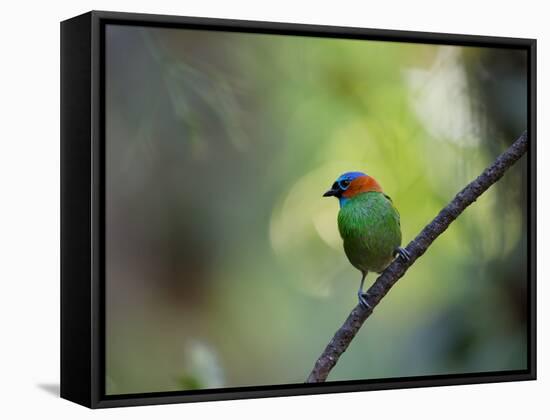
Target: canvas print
(257, 185)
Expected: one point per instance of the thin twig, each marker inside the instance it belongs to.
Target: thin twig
(416, 249)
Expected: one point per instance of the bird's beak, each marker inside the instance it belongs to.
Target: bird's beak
(331, 193)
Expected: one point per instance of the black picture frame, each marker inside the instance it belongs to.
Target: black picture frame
(83, 208)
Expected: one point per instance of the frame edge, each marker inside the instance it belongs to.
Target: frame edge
(75, 158)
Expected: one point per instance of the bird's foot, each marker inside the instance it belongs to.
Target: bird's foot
(403, 253)
(363, 300)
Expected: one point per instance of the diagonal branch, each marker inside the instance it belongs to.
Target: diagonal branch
(416, 249)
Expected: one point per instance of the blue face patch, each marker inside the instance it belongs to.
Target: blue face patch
(343, 182)
(342, 201)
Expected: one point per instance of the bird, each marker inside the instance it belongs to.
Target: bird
(369, 225)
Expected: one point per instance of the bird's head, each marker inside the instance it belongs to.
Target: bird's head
(350, 184)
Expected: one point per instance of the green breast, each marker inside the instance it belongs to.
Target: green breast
(369, 226)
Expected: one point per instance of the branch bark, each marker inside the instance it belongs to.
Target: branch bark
(416, 248)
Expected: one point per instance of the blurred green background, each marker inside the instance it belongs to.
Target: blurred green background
(224, 263)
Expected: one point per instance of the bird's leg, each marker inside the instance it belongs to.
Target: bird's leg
(363, 295)
(403, 253)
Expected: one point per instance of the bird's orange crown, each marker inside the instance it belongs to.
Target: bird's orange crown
(361, 184)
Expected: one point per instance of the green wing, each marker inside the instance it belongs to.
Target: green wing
(370, 227)
(395, 208)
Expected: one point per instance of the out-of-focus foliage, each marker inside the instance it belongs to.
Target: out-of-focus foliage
(224, 264)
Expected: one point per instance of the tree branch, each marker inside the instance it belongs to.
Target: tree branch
(416, 249)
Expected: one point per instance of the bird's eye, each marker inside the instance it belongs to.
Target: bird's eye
(344, 183)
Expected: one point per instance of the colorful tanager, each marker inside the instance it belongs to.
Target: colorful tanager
(369, 225)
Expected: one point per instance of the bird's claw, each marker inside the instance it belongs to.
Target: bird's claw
(363, 300)
(403, 253)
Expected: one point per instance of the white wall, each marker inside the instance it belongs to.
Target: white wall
(29, 181)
